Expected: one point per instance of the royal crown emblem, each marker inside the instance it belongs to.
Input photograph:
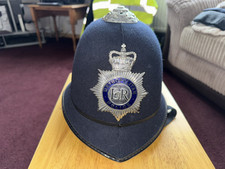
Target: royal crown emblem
(123, 61)
(120, 91)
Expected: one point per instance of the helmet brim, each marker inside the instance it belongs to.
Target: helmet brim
(116, 143)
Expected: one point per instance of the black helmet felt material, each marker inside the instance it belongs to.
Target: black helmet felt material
(117, 139)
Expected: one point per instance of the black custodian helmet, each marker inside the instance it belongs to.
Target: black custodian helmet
(114, 102)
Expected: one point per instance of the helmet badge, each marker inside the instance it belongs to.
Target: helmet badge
(120, 91)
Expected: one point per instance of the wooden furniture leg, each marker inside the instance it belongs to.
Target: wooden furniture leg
(72, 15)
(56, 30)
(35, 19)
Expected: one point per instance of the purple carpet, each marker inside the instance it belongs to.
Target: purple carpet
(31, 80)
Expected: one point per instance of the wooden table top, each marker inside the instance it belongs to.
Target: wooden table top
(176, 147)
(60, 6)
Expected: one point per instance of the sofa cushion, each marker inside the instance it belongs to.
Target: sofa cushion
(207, 47)
(201, 28)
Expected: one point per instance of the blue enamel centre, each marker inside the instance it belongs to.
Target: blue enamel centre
(119, 93)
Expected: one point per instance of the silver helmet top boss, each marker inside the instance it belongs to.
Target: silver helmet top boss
(120, 91)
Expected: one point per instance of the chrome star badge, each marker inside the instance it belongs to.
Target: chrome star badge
(120, 91)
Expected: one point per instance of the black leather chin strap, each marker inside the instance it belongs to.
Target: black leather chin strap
(171, 113)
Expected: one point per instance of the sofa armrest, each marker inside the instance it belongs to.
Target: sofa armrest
(186, 10)
(180, 14)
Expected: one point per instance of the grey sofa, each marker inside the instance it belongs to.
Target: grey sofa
(197, 58)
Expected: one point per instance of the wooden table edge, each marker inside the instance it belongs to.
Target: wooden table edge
(163, 88)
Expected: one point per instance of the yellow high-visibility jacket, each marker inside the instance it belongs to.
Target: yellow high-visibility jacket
(143, 9)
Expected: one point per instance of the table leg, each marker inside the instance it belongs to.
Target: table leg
(35, 19)
(55, 27)
(72, 15)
